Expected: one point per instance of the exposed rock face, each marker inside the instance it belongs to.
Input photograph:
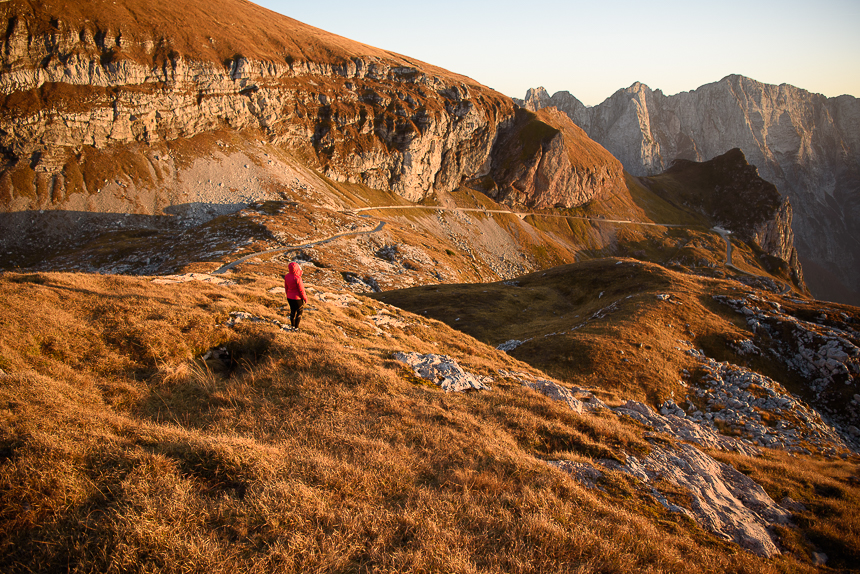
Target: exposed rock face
(354, 112)
(730, 192)
(543, 160)
(683, 428)
(722, 500)
(718, 497)
(823, 346)
(556, 392)
(806, 144)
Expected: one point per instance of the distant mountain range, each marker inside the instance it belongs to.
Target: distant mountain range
(804, 143)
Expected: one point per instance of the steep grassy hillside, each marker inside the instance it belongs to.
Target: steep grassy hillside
(140, 431)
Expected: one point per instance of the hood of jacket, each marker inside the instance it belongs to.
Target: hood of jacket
(295, 269)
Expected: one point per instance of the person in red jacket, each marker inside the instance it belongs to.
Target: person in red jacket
(296, 295)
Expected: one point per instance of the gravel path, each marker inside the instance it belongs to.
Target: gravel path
(721, 232)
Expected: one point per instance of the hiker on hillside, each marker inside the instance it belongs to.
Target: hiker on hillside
(296, 295)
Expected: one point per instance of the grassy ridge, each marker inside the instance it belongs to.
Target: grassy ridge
(121, 450)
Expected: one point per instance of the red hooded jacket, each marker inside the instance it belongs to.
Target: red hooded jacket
(293, 283)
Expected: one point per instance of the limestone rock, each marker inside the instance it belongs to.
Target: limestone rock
(804, 143)
(684, 429)
(444, 371)
(722, 500)
(510, 345)
(557, 393)
(543, 160)
(718, 497)
(355, 113)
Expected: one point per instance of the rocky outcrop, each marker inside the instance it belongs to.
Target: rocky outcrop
(675, 422)
(820, 344)
(443, 371)
(556, 392)
(543, 160)
(353, 112)
(721, 499)
(806, 144)
(538, 99)
(756, 409)
(776, 237)
(730, 192)
(716, 496)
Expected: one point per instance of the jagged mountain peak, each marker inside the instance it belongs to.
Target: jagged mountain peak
(538, 92)
(637, 87)
(804, 143)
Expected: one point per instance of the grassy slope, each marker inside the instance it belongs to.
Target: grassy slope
(600, 324)
(220, 32)
(632, 352)
(121, 451)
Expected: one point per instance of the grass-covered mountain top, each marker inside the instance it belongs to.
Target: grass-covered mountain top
(156, 32)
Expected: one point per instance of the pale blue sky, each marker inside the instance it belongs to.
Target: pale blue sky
(593, 48)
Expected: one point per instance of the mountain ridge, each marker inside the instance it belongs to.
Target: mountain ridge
(804, 143)
(390, 119)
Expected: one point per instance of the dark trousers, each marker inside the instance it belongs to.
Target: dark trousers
(296, 306)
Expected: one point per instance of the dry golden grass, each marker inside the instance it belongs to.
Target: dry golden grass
(829, 491)
(594, 324)
(121, 451)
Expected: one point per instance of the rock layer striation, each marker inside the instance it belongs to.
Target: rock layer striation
(354, 112)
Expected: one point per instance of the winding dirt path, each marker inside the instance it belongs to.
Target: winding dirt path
(520, 214)
(720, 231)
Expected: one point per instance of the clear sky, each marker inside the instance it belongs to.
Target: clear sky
(594, 48)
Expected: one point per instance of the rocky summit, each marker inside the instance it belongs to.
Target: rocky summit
(519, 352)
(804, 143)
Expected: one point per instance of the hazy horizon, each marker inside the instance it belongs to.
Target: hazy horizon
(593, 50)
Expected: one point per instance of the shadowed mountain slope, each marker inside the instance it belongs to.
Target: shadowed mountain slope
(730, 192)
